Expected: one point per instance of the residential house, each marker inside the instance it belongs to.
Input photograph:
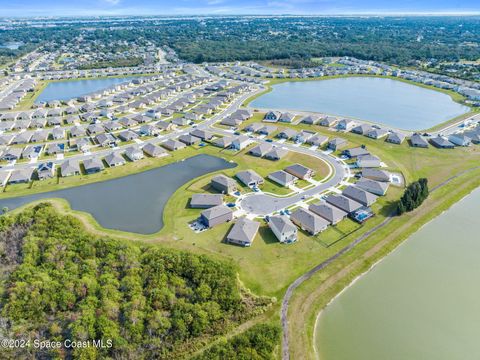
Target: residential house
(216, 215)
(355, 152)
(254, 127)
(205, 201)
(70, 167)
(317, 140)
(153, 150)
(346, 124)
(93, 165)
(134, 153)
(328, 121)
(21, 176)
(416, 140)
(115, 159)
(368, 161)
(343, 203)
(395, 138)
(45, 170)
(202, 134)
(53, 149)
(12, 154)
(337, 144)
(375, 187)
(272, 116)
(330, 213)
(106, 139)
(300, 171)
(189, 139)
(376, 174)
(240, 142)
(283, 178)
(362, 129)
(286, 117)
(276, 154)
(441, 143)
(376, 133)
(224, 184)
(128, 135)
(260, 150)
(243, 232)
(249, 178)
(460, 139)
(363, 197)
(287, 133)
(267, 130)
(311, 119)
(223, 142)
(308, 221)
(173, 145)
(283, 228)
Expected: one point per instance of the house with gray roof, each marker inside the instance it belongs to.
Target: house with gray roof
(361, 129)
(134, 153)
(337, 144)
(375, 187)
(267, 130)
(286, 117)
(376, 133)
(21, 176)
(276, 154)
(22, 138)
(223, 142)
(205, 201)
(77, 131)
(346, 124)
(368, 161)
(283, 228)
(283, 178)
(330, 213)
(272, 116)
(216, 215)
(395, 138)
(153, 150)
(376, 174)
(254, 127)
(416, 140)
(287, 133)
(308, 221)
(202, 134)
(441, 143)
(460, 139)
(188, 139)
(240, 142)
(12, 153)
(128, 135)
(354, 152)
(55, 148)
(230, 121)
(45, 170)
(173, 145)
(343, 203)
(115, 159)
(317, 140)
(473, 135)
(363, 197)
(31, 152)
(224, 184)
(243, 232)
(260, 150)
(300, 171)
(70, 167)
(106, 139)
(328, 121)
(311, 119)
(249, 178)
(94, 129)
(93, 165)
(4, 175)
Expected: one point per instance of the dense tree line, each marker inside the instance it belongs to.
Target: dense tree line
(151, 302)
(413, 196)
(396, 40)
(257, 343)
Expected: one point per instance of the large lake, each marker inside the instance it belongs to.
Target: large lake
(66, 90)
(421, 302)
(391, 102)
(132, 203)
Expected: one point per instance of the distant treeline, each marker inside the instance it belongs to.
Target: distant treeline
(396, 40)
(413, 196)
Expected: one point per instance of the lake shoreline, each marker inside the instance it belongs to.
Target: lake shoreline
(374, 265)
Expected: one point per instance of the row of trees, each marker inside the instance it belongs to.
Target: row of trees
(413, 196)
(151, 302)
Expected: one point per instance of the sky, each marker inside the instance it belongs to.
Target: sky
(22, 8)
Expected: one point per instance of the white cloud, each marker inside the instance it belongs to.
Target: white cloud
(112, 2)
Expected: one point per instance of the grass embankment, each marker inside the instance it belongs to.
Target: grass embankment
(316, 292)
